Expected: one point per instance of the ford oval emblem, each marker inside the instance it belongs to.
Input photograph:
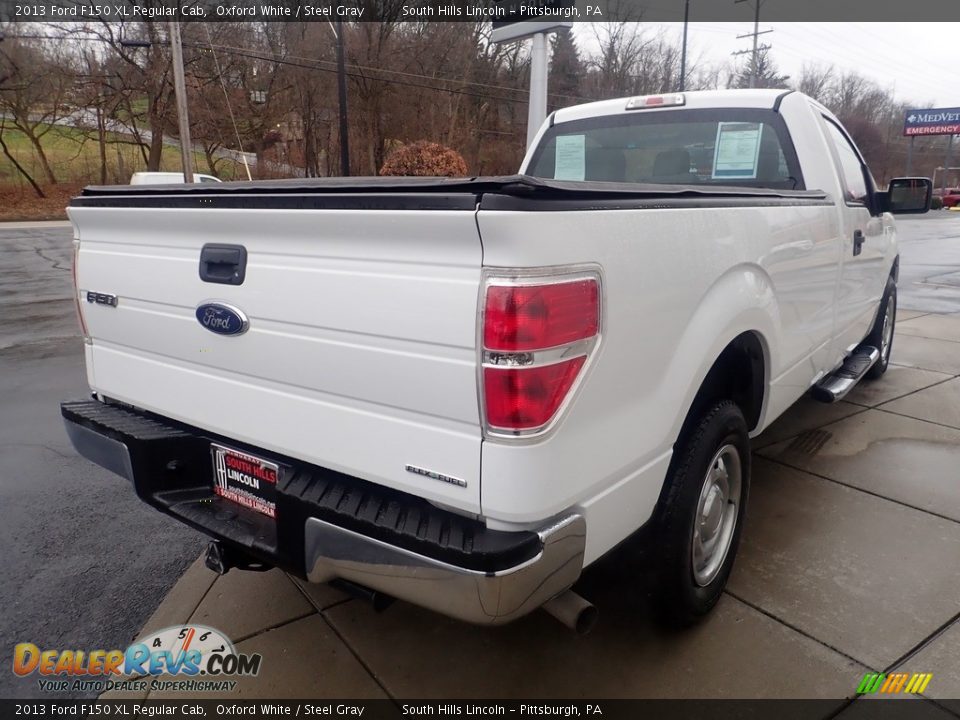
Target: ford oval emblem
(222, 319)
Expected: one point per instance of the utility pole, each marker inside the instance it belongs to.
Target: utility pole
(683, 52)
(180, 88)
(537, 109)
(946, 167)
(342, 91)
(755, 35)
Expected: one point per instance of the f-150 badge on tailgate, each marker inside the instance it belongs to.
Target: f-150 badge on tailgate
(222, 319)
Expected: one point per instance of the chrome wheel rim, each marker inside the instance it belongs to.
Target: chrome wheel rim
(886, 335)
(717, 511)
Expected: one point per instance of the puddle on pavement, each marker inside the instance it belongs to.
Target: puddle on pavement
(922, 473)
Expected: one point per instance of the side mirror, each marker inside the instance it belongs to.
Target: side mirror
(906, 196)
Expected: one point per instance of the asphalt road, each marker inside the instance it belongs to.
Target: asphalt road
(85, 562)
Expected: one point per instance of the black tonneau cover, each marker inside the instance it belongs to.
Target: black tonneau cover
(512, 192)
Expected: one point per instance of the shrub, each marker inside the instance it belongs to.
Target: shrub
(936, 203)
(424, 159)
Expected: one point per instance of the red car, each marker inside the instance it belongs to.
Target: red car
(951, 197)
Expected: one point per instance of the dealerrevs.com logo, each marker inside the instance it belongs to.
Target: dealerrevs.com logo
(185, 658)
(894, 683)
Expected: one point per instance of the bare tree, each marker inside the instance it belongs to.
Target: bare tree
(13, 161)
(815, 80)
(34, 97)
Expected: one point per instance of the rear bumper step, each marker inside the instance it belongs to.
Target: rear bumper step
(837, 384)
(331, 526)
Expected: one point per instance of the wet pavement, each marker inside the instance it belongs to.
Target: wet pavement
(85, 562)
(849, 563)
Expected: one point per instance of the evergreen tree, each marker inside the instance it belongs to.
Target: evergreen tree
(566, 70)
(767, 74)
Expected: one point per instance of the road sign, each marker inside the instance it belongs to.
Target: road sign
(932, 121)
(523, 18)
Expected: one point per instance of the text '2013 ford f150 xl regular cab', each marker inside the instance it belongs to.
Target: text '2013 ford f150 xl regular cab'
(461, 392)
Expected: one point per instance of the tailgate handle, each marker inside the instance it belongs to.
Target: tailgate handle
(224, 264)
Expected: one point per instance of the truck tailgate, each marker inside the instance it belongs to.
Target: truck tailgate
(360, 353)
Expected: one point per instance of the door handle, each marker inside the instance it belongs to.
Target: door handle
(224, 264)
(858, 238)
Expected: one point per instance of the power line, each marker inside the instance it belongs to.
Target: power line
(226, 97)
(316, 62)
(313, 65)
(402, 73)
(754, 64)
(863, 61)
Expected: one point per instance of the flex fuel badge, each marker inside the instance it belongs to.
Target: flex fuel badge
(192, 658)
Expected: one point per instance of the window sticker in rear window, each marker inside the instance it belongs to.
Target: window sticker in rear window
(737, 150)
(570, 161)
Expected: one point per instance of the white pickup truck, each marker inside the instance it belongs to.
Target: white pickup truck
(461, 392)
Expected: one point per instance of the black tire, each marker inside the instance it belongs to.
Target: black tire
(682, 599)
(875, 338)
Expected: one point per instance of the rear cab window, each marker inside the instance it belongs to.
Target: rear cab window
(722, 146)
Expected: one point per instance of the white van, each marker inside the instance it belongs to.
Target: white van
(167, 178)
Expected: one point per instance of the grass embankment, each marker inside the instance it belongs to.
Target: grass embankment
(74, 158)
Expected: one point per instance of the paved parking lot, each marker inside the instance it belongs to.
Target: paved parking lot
(850, 562)
(84, 561)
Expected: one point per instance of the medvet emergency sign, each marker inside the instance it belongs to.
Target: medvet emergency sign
(932, 121)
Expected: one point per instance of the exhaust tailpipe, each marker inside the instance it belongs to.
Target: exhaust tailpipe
(380, 601)
(221, 559)
(573, 611)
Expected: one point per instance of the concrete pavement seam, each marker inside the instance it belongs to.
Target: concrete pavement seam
(907, 394)
(359, 658)
(309, 599)
(922, 314)
(924, 642)
(912, 652)
(860, 489)
(275, 626)
(189, 615)
(928, 337)
(913, 417)
(793, 627)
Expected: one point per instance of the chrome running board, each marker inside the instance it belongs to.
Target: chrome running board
(837, 384)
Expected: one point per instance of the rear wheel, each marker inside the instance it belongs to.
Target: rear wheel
(881, 336)
(701, 515)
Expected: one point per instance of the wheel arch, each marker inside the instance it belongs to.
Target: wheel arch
(739, 373)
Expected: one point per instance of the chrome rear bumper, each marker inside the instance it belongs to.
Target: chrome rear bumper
(491, 598)
(486, 576)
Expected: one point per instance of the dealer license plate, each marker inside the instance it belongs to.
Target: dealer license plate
(245, 479)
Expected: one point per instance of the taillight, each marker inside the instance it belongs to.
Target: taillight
(538, 333)
(76, 292)
(540, 316)
(527, 398)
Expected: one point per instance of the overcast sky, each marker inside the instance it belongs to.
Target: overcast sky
(919, 62)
